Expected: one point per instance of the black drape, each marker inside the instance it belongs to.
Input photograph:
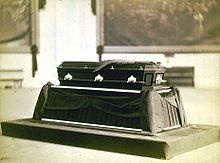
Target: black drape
(148, 110)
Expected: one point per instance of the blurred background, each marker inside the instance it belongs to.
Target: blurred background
(66, 31)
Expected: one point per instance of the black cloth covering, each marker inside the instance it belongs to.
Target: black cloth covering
(149, 110)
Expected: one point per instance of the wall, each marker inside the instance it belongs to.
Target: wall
(68, 32)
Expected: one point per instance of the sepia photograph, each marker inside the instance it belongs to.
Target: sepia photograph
(103, 81)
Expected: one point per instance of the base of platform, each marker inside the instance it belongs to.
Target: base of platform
(164, 145)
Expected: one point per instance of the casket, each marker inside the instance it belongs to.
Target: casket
(116, 95)
(111, 74)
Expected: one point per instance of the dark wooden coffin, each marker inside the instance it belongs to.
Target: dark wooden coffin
(111, 74)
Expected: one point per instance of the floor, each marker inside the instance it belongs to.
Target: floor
(202, 107)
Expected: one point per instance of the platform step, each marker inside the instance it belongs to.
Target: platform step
(164, 145)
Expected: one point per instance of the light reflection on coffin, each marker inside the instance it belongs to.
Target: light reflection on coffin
(144, 109)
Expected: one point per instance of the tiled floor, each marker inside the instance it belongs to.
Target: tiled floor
(202, 107)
